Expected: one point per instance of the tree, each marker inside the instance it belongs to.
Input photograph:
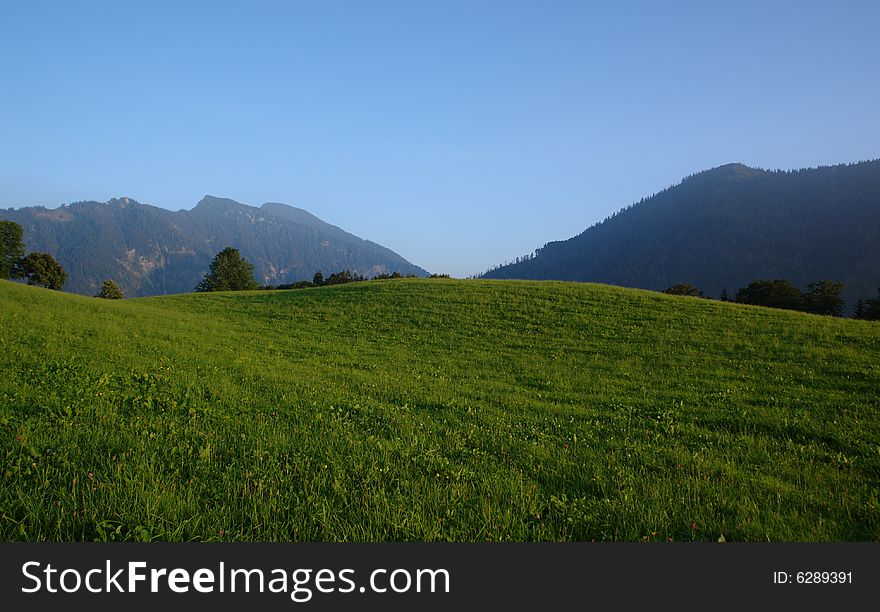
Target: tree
(110, 291)
(825, 298)
(684, 289)
(724, 297)
(869, 310)
(340, 278)
(318, 280)
(42, 269)
(860, 309)
(229, 272)
(11, 248)
(778, 293)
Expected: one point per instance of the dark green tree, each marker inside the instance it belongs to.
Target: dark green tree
(684, 289)
(318, 279)
(110, 291)
(825, 298)
(870, 309)
(229, 272)
(724, 296)
(11, 248)
(860, 309)
(42, 269)
(343, 277)
(778, 293)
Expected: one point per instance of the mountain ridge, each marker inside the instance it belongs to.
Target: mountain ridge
(724, 227)
(149, 250)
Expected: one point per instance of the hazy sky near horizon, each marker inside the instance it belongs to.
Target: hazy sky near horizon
(459, 134)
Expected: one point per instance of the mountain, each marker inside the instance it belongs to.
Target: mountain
(149, 250)
(725, 227)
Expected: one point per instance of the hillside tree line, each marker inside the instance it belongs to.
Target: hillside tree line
(824, 297)
(229, 271)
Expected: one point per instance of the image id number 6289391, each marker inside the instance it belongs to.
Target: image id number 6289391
(814, 577)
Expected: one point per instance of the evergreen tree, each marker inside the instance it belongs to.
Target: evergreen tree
(724, 296)
(110, 291)
(42, 269)
(825, 298)
(860, 309)
(318, 279)
(872, 309)
(229, 272)
(11, 248)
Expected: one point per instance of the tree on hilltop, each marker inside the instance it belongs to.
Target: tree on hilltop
(860, 309)
(42, 269)
(110, 291)
(11, 248)
(825, 298)
(869, 310)
(229, 272)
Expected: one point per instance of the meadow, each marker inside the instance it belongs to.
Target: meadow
(434, 410)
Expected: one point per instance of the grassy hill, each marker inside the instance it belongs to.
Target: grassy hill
(434, 410)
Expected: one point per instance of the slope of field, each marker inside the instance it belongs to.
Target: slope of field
(434, 410)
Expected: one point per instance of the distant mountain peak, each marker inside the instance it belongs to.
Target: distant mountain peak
(213, 203)
(732, 171)
(121, 202)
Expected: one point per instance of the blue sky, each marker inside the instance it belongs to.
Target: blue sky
(459, 134)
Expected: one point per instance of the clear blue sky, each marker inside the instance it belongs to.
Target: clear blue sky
(459, 134)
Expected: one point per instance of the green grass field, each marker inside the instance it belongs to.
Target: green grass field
(434, 410)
